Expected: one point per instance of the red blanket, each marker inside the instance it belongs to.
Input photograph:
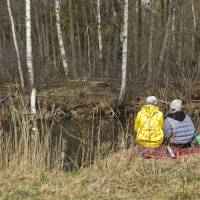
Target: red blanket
(162, 152)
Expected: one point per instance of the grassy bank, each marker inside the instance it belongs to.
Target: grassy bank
(121, 176)
(27, 155)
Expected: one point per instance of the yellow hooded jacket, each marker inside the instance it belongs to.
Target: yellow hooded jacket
(148, 126)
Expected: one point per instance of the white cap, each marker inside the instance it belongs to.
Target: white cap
(176, 104)
(151, 100)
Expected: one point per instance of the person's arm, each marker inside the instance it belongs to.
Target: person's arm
(137, 123)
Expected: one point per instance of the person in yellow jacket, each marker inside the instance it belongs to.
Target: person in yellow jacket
(149, 124)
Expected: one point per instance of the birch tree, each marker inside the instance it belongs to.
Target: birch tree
(15, 43)
(60, 37)
(124, 54)
(29, 57)
(99, 30)
(146, 2)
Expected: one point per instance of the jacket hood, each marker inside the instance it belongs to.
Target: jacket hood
(149, 110)
(179, 116)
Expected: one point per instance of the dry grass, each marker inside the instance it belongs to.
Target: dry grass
(25, 174)
(121, 176)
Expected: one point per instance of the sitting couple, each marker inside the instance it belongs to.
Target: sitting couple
(151, 129)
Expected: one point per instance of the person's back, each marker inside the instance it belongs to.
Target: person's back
(178, 126)
(148, 125)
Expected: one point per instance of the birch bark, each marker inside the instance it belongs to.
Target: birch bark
(99, 30)
(60, 37)
(124, 55)
(29, 58)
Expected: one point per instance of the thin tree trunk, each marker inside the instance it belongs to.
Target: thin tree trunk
(168, 9)
(88, 42)
(33, 101)
(45, 57)
(78, 35)
(173, 26)
(52, 40)
(139, 41)
(180, 45)
(150, 50)
(15, 44)
(71, 23)
(1, 50)
(29, 57)
(165, 40)
(109, 46)
(124, 55)
(99, 33)
(60, 37)
(109, 49)
(115, 43)
(46, 32)
(1, 58)
(115, 52)
(163, 48)
(4, 39)
(194, 27)
(162, 3)
(38, 30)
(45, 35)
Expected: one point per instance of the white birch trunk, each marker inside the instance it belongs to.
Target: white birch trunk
(60, 37)
(33, 101)
(99, 29)
(15, 43)
(29, 58)
(124, 54)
